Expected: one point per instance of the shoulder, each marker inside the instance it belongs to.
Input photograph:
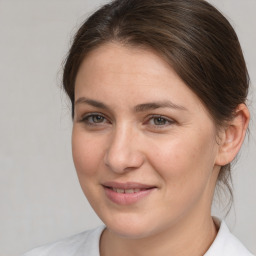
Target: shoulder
(226, 244)
(75, 245)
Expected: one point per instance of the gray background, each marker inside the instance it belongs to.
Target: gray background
(40, 197)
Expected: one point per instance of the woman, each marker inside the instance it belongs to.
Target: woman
(158, 92)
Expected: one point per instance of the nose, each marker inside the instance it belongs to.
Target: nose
(123, 152)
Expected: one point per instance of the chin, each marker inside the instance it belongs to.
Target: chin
(132, 228)
(129, 232)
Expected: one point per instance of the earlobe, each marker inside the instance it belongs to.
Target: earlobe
(233, 136)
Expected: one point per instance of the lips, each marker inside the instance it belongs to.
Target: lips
(126, 193)
(127, 185)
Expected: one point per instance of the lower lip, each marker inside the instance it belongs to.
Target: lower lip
(126, 199)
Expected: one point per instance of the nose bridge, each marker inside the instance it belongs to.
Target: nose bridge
(123, 152)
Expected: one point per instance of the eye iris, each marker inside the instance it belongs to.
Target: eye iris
(159, 121)
(97, 119)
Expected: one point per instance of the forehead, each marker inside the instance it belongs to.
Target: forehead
(127, 64)
(113, 72)
(118, 57)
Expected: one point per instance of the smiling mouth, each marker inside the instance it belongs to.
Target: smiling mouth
(128, 191)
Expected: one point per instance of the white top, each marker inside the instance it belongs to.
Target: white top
(87, 244)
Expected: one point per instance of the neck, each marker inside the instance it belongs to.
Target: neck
(191, 238)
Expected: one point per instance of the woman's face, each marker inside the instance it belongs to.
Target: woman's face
(144, 146)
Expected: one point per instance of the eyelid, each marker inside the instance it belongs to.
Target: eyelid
(169, 120)
(85, 117)
(91, 114)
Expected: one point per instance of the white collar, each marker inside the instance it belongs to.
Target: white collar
(226, 244)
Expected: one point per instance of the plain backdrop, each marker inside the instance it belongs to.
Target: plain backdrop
(41, 200)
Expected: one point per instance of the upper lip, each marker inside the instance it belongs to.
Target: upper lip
(127, 185)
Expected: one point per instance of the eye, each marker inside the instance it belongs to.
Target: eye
(94, 119)
(160, 121)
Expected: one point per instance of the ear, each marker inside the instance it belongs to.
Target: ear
(233, 136)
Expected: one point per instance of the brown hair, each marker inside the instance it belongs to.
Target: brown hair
(192, 35)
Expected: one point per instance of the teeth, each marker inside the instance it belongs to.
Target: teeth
(119, 190)
(126, 191)
(129, 191)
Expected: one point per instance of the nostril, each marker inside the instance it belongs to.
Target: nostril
(123, 161)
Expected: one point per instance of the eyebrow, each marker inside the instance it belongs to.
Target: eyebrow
(138, 108)
(156, 105)
(91, 102)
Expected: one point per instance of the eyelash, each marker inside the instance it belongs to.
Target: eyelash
(85, 119)
(167, 121)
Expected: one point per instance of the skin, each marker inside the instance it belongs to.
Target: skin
(179, 154)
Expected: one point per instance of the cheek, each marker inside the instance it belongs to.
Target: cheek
(184, 161)
(87, 153)
(185, 174)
